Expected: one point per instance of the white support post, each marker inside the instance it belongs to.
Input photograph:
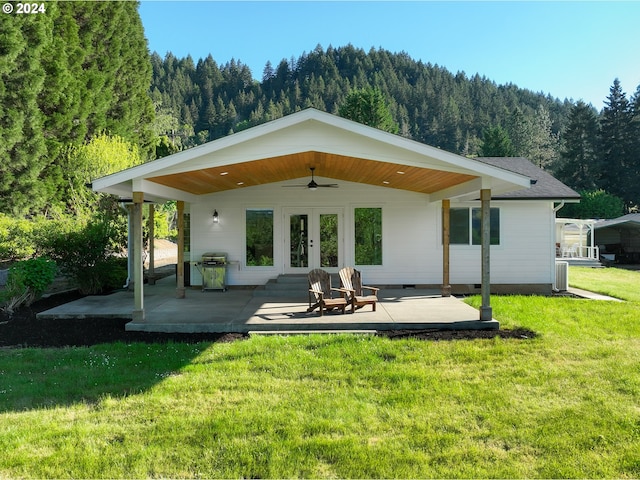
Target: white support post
(138, 268)
(180, 290)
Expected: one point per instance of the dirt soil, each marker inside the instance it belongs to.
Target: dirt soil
(23, 329)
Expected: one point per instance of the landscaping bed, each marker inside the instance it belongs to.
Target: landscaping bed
(24, 329)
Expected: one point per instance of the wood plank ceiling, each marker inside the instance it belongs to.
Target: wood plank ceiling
(296, 166)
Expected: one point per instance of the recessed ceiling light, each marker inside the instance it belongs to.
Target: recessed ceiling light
(399, 172)
(385, 182)
(224, 173)
(240, 183)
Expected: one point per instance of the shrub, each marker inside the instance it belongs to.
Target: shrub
(15, 238)
(112, 272)
(22, 238)
(86, 255)
(27, 280)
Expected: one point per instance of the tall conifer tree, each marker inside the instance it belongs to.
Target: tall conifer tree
(78, 70)
(578, 164)
(23, 38)
(617, 165)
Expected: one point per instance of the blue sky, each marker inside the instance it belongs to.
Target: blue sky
(572, 49)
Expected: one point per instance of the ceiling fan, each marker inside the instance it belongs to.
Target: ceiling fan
(312, 185)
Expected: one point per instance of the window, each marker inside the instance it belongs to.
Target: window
(368, 236)
(466, 226)
(459, 218)
(259, 238)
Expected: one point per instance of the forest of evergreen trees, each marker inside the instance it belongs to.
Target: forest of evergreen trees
(89, 74)
(202, 100)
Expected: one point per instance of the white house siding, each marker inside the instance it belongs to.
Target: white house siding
(412, 232)
(525, 254)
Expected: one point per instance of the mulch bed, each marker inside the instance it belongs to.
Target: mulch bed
(23, 329)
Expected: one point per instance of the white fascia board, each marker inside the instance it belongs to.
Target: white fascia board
(152, 191)
(471, 190)
(472, 186)
(119, 190)
(163, 192)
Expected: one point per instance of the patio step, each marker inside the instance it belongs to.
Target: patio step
(288, 286)
(311, 332)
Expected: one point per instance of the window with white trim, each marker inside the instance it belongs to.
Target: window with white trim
(368, 236)
(259, 237)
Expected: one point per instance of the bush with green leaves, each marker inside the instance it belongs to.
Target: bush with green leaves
(87, 256)
(594, 204)
(22, 238)
(27, 281)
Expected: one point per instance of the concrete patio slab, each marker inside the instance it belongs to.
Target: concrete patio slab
(238, 310)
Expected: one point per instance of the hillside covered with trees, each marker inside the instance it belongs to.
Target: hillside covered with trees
(205, 101)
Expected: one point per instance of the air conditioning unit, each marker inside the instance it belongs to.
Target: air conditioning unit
(562, 276)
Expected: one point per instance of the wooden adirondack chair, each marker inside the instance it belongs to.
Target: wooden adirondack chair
(321, 291)
(351, 280)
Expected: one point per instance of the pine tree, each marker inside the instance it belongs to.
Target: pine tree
(80, 70)
(578, 163)
(544, 143)
(368, 106)
(617, 165)
(496, 143)
(635, 148)
(23, 39)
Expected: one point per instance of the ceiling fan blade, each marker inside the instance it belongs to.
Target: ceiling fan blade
(312, 185)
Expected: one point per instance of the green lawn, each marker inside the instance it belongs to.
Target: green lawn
(615, 282)
(563, 404)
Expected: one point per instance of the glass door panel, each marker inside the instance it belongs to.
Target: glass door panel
(328, 240)
(298, 235)
(313, 239)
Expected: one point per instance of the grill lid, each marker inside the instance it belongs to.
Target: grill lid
(214, 258)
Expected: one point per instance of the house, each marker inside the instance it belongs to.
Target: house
(315, 190)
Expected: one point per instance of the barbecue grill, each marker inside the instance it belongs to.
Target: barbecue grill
(214, 270)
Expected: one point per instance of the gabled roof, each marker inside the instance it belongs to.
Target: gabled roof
(544, 186)
(285, 149)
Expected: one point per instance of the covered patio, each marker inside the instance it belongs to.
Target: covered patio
(575, 240)
(222, 187)
(242, 310)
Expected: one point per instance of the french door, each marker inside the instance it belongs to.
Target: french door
(313, 239)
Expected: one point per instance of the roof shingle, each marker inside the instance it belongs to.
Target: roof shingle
(544, 185)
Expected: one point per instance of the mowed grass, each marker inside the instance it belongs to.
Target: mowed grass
(615, 282)
(563, 404)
